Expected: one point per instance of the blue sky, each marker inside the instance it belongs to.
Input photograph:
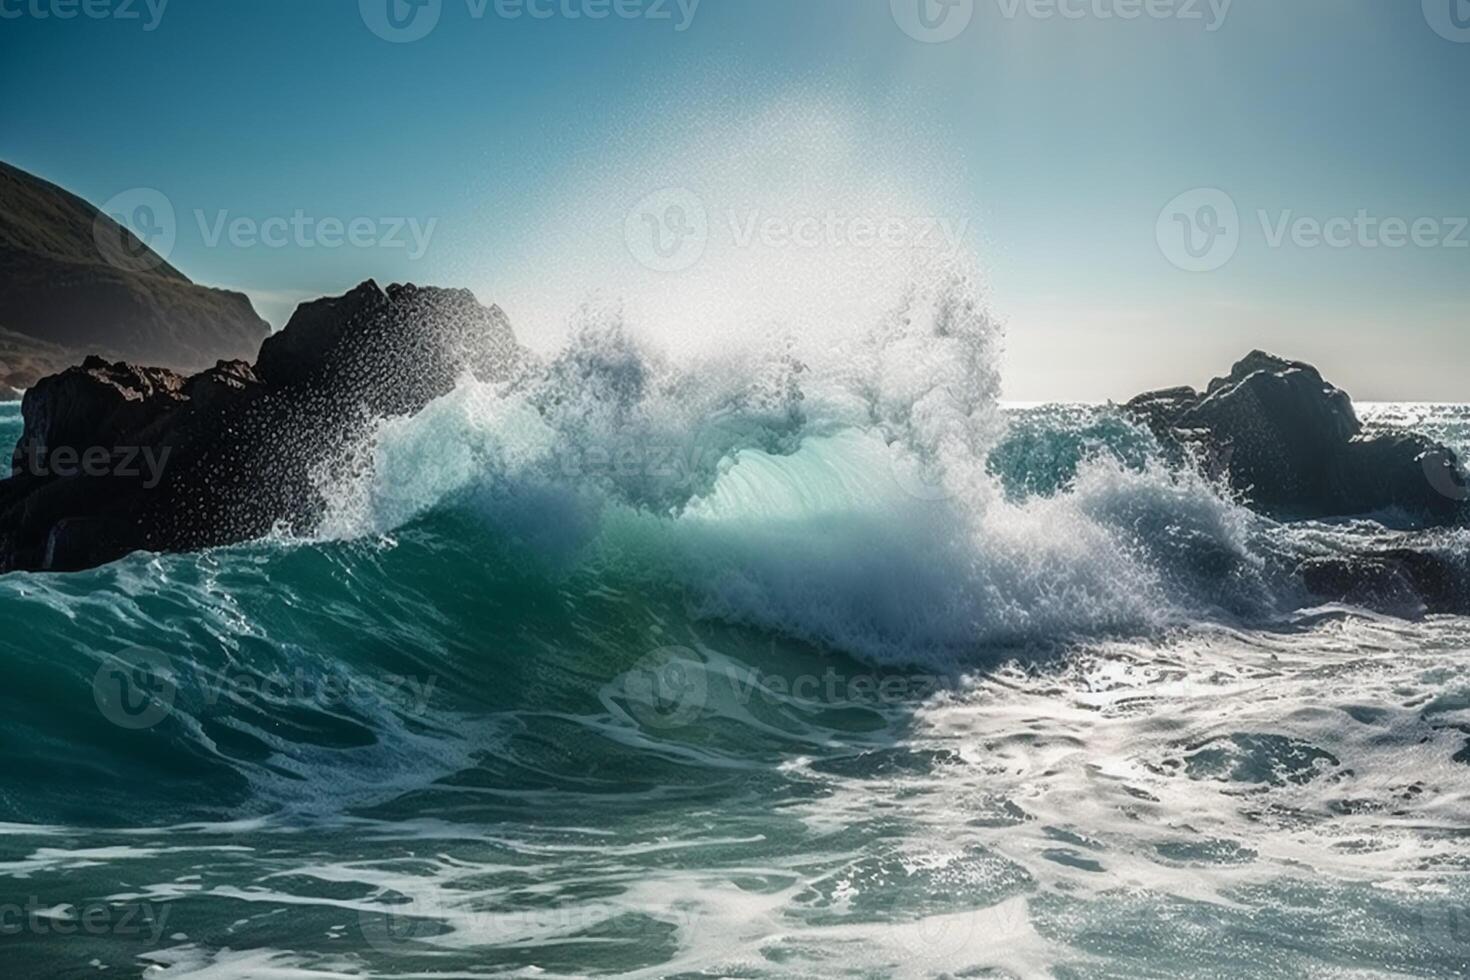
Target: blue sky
(1050, 145)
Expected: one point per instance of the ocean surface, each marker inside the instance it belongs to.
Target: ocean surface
(760, 671)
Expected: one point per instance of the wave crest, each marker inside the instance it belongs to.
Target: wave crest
(846, 501)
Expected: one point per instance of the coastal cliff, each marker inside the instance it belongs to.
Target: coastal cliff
(74, 282)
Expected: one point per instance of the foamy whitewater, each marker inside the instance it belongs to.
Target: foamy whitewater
(755, 665)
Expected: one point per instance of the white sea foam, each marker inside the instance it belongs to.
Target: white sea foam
(846, 502)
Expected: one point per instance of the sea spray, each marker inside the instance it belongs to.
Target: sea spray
(846, 501)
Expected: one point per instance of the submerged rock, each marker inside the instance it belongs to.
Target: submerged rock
(1291, 444)
(1394, 579)
(115, 458)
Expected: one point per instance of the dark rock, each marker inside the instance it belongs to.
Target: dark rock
(227, 383)
(315, 328)
(1290, 443)
(96, 404)
(1394, 469)
(79, 543)
(1281, 424)
(1159, 409)
(1394, 579)
(116, 458)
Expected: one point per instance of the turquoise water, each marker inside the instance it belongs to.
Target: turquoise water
(1057, 713)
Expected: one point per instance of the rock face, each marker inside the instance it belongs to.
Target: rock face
(1391, 578)
(1292, 446)
(116, 458)
(74, 282)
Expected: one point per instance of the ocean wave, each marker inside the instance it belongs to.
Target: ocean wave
(524, 545)
(852, 503)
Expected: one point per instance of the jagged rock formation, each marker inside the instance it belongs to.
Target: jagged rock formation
(1292, 446)
(116, 458)
(73, 282)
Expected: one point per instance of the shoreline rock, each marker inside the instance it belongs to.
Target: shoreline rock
(1400, 579)
(1292, 446)
(117, 458)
